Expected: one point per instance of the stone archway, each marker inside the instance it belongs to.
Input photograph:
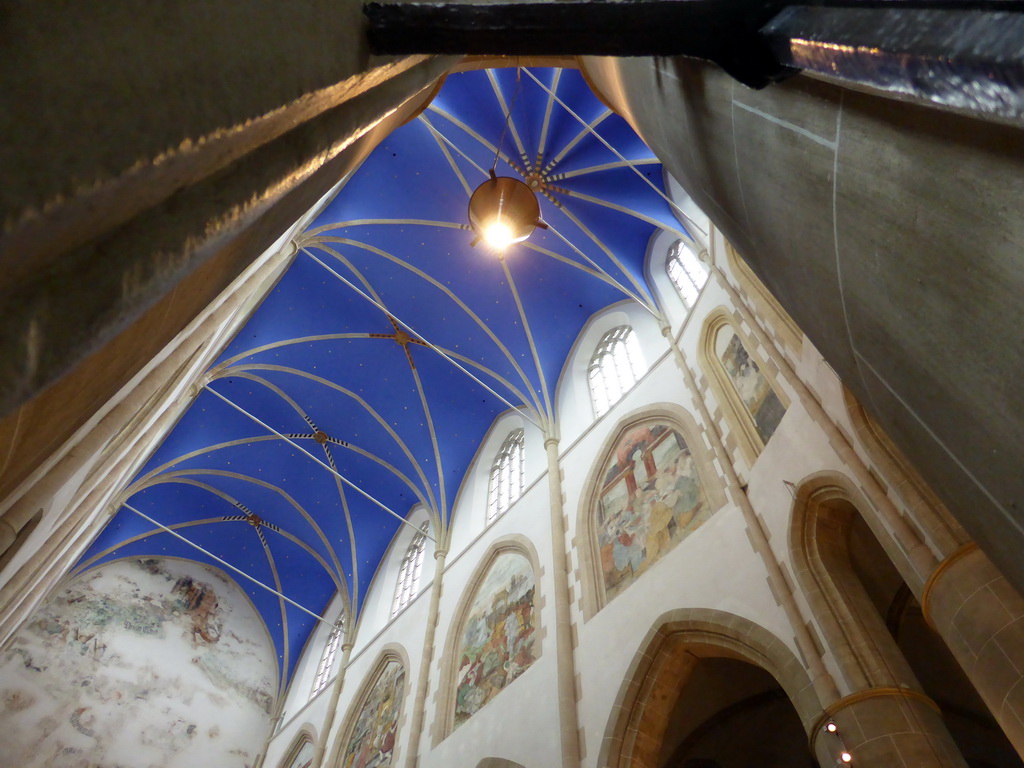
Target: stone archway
(676, 644)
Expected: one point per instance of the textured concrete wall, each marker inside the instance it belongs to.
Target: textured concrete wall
(150, 152)
(892, 233)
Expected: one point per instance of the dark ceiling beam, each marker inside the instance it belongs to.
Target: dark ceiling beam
(961, 54)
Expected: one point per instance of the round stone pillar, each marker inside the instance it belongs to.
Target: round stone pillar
(981, 619)
(886, 727)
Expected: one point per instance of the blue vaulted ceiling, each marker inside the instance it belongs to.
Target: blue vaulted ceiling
(368, 377)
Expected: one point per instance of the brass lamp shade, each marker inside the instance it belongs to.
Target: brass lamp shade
(507, 203)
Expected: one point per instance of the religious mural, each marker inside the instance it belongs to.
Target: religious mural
(757, 395)
(372, 740)
(157, 663)
(304, 757)
(496, 645)
(651, 499)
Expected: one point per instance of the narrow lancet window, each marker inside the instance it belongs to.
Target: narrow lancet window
(323, 671)
(616, 366)
(506, 481)
(409, 574)
(686, 273)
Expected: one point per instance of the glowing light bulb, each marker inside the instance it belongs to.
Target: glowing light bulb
(498, 234)
(831, 727)
(846, 757)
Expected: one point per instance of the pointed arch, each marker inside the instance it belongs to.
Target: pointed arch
(784, 327)
(373, 724)
(653, 677)
(300, 753)
(823, 512)
(743, 384)
(678, 468)
(517, 601)
(505, 481)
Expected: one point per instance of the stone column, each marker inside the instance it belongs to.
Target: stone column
(332, 706)
(423, 684)
(885, 726)
(565, 662)
(981, 619)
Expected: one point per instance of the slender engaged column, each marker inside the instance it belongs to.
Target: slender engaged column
(981, 619)
(824, 685)
(427, 657)
(332, 706)
(565, 661)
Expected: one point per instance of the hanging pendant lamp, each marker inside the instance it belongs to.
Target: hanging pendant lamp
(503, 211)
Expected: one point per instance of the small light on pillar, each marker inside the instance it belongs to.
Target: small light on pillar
(831, 727)
(503, 211)
(846, 757)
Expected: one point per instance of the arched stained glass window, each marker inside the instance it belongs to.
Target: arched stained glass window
(506, 481)
(409, 574)
(686, 273)
(616, 366)
(323, 671)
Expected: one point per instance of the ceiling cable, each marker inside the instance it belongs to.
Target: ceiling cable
(225, 563)
(411, 330)
(328, 467)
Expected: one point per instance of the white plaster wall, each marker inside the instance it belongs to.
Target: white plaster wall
(498, 728)
(129, 665)
(714, 567)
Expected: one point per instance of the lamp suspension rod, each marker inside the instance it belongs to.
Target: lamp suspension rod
(632, 167)
(508, 117)
(328, 467)
(411, 330)
(225, 563)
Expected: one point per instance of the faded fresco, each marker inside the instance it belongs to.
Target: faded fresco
(304, 757)
(651, 499)
(757, 395)
(496, 645)
(372, 740)
(139, 664)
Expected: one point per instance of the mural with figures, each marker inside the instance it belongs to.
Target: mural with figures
(757, 395)
(372, 740)
(651, 499)
(155, 663)
(497, 641)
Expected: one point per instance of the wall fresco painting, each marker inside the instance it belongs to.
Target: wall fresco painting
(497, 641)
(651, 499)
(304, 757)
(757, 395)
(372, 740)
(156, 663)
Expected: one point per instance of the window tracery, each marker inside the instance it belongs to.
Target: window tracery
(323, 670)
(506, 479)
(411, 570)
(617, 364)
(686, 272)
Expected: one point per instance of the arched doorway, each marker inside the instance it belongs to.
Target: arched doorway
(733, 714)
(709, 689)
(850, 571)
